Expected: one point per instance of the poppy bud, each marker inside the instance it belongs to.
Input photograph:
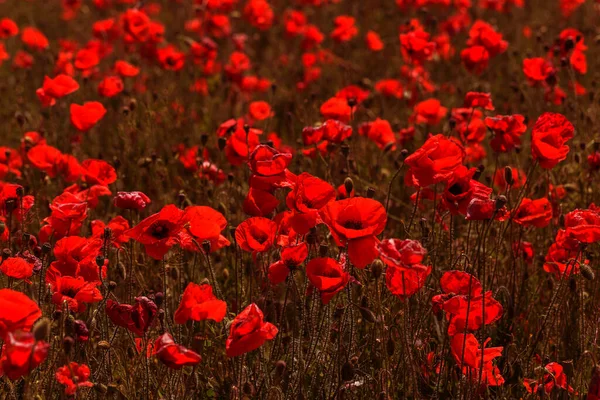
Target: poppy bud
(351, 102)
(248, 389)
(10, 205)
(130, 353)
(125, 110)
(6, 253)
(181, 197)
(206, 246)
(174, 272)
(347, 371)
(377, 268)
(41, 329)
(404, 153)
(68, 344)
(390, 347)
(577, 158)
(222, 142)
(478, 172)
(508, 176)
(573, 284)
(100, 388)
(100, 261)
(104, 345)
(569, 44)
(158, 298)
(225, 273)
(370, 192)
(582, 145)
(388, 147)
(367, 314)
(323, 250)
(20, 119)
(339, 311)
(112, 285)
(500, 202)
(56, 314)
(348, 185)
(587, 272)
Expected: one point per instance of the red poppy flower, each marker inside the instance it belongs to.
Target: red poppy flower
(8, 28)
(59, 86)
(170, 58)
(260, 110)
(158, 232)
(131, 200)
(291, 257)
(416, 47)
(34, 38)
(17, 312)
(429, 112)
(344, 29)
(98, 172)
(309, 195)
(259, 203)
(198, 303)
(507, 130)
(110, 86)
(390, 88)
(136, 24)
(73, 377)
(477, 99)
(404, 281)
(537, 213)
(549, 137)
(337, 108)
(259, 13)
(256, 234)
(564, 257)
(137, 318)
(472, 359)
(554, 376)
(480, 209)
(353, 92)
(398, 252)
(45, 158)
(248, 332)
(206, 224)
(126, 69)
(84, 117)
(523, 249)
(68, 213)
(21, 354)
(76, 292)
(475, 59)
(240, 145)
(373, 41)
(13, 202)
(380, 132)
(583, 225)
(267, 161)
(482, 34)
(117, 226)
(461, 189)
(538, 70)
(17, 268)
(174, 355)
(328, 276)
(356, 222)
(434, 162)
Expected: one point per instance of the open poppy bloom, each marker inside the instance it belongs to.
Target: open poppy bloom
(564, 257)
(158, 232)
(328, 276)
(17, 268)
(398, 252)
(248, 331)
(461, 189)
(256, 234)
(267, 161)
(73, 377)
(17, 312)
(463, 295)
(478, 99)
(198, 303)
(206, 224)
(583, 225)
(98, 172)
(86, 116)
(554, 376)
(429, 112)
(355, 222)
(21, 354)
(434, 162)
(549, 137)
(536, 213)
(473, 359)
(131, 200)
(137, 318)
(308, 196)
(174, 355)
(75, 292)
(291, 257)
(507, 131)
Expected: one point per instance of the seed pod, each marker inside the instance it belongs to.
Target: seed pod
(41, 329)
(390, 347)
(587, 272)
(104, 345)
(508, 176)
(100, 261)
(100, 388)
(348, 185)
(112, 285)
(347, 371)
(68, 344)
(500, 202)
(222, 142)
(206, 246)
(370, 192)
(367, 314)
(345, 149)
(377, 268)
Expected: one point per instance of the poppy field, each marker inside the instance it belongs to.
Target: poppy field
(299, 199)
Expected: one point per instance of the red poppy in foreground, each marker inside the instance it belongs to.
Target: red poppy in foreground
(84, 117)
(17, 268)
(473, 359)
(549, 137)
(17, 312)
(256, 234)
(205, 224)
(403, 282)
(536, 213)
(21, 354)
(507, 130)
(309, 195)
(554, 376)
(76, 292)
(248, 332)
(328, 276)
(355, 222)
(174, 355)
(73, 377)
(583, 225)
(198, 303)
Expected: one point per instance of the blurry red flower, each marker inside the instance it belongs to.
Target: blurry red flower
(482, 34)
(507, 130)
(198, 303)
(475, 59)
(267, 161)
(344, 28)
(536, 213)
(429, 112)
(126, 69)
(137, 318)
(433, 162)
(17, 312)
(477, 99)
(537, 70)
(110, 86)
(131, 200)
(472, 359)
(206, 224)
(98, 172)
(8, 28)
(373, 41)
(583, 225)
(174, 355)
(21, 354)
(84, 117)
(16, 268)
(328, 276)
(337, 108)
(73, 377)
(309, 195)
(554, 376)
(291, 257)
(248, 331)
(416, 47)
(34, 38)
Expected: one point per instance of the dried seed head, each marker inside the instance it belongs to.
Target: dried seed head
(377, 268)
(158, 298)
(508, 176)
(6, 253)
(2, 227)
(587, 272)
(348, 185)
(100, 261)
(500, 202)
(367, 314)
